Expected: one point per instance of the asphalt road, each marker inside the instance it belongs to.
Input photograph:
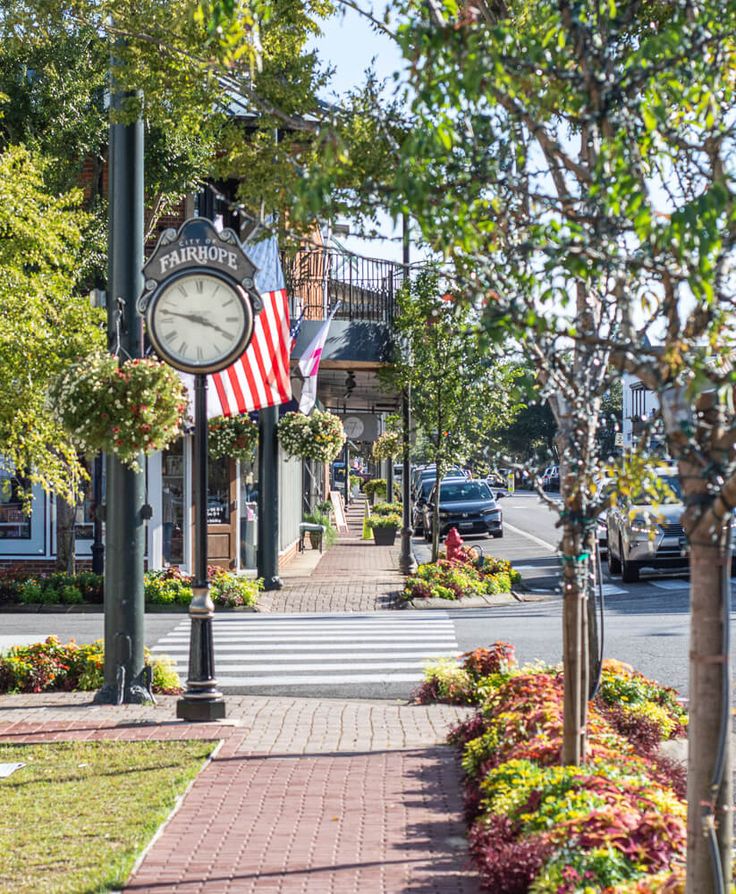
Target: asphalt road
(645, 624)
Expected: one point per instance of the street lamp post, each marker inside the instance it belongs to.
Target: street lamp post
(268, 499)
(407, 562)
(125, 676)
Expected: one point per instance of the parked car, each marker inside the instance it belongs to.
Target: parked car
(551, 478)
(642, 535)
(601, 533)
(466, 505)
(499, 486)
(603, 484)
(429, 473)
(418, 507)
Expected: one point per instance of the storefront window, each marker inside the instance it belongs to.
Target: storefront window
(172, 509)
(218, 491)
(15, 523)
(83, 520)
(248, 514)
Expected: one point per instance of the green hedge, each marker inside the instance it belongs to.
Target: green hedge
(166, 587)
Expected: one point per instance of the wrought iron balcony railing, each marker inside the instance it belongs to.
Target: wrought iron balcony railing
(366, 288)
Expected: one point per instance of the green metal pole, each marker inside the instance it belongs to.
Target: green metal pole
(390, 480)
(268, 499)
(125, 679)
(407, 562)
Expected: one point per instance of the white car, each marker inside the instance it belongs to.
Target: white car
(643, 535)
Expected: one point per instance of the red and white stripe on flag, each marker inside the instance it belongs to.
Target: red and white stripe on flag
(260, 378)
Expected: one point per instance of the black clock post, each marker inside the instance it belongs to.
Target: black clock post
(199, 303)
(202, 700)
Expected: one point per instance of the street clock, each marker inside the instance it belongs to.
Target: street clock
(200, 300)
(199, 321)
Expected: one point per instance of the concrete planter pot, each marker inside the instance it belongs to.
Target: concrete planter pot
(384, 536)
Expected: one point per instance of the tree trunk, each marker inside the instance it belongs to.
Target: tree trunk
(574, 644)
(65, 541)
(709, 677)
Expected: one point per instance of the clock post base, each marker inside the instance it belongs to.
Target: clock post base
(272, 583)
(200, 710)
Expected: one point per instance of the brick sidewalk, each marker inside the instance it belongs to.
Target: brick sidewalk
(303, 796)
(354, 575)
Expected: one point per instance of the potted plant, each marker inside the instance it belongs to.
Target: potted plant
(387, 446)
(233, 436)
(384, 528)
(126, 408)
(387, 509)
(375, 487)
(319, 437)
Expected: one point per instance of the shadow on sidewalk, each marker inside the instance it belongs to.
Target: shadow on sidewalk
(380, 822)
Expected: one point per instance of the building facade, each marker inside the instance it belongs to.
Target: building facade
(359, 344)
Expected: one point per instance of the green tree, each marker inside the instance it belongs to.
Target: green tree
(458, 394)
(530, 438)
(45, 325)
(585, 156)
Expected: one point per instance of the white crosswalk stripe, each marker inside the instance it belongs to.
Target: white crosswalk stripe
(306, 650)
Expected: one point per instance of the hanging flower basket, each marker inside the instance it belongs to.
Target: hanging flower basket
(128, 409)
(233, 436)
(387, 445)
(319, 437)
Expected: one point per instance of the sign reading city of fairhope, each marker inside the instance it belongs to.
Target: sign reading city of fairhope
(197, 244)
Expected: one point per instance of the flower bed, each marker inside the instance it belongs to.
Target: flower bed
(166, 587)
(462, 577)
(615, 825)
(54, 666)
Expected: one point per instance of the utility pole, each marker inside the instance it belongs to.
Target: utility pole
(125, 679)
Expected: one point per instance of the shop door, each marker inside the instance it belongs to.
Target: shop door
(222, 516)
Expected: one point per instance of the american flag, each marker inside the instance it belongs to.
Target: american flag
(260, 378)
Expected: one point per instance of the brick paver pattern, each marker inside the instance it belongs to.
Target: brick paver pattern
(302, 796)
(352, 576)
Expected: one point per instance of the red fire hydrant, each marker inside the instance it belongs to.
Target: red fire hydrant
(454, 544)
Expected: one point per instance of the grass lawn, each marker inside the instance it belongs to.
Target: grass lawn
(74, 819)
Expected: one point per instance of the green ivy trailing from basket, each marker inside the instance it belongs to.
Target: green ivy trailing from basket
(126, 409)
(233, 436)
(319, 436)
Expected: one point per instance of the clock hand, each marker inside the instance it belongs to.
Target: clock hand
(198, 318)
(205, 322)
(174, 313)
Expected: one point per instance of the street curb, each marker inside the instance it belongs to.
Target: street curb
(465, 602)
(84, 609)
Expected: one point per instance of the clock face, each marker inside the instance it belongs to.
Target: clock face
(199, 322)
(353, 426)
